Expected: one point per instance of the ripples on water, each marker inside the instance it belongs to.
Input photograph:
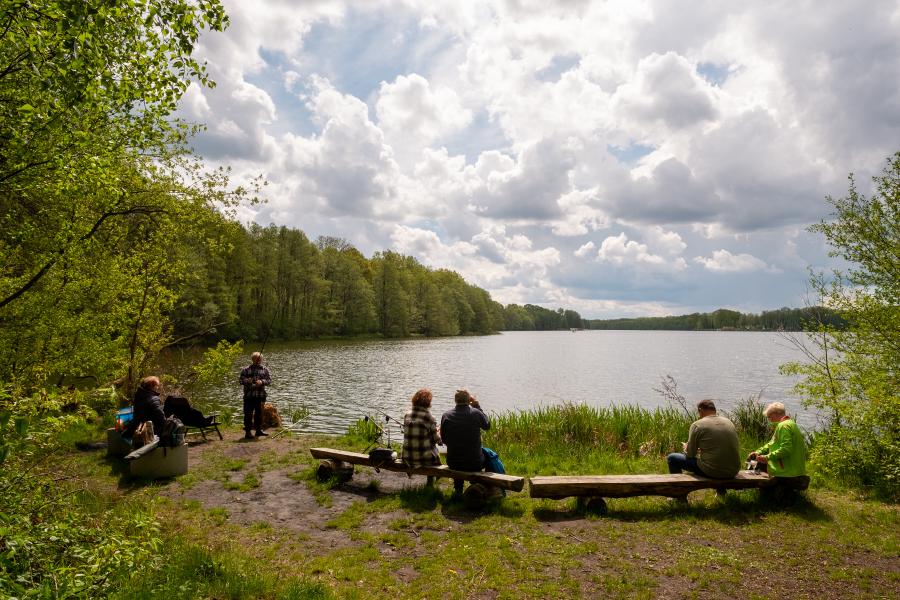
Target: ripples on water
(341, 381)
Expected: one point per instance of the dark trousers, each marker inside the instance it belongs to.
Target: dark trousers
(253, 413)
(678, 462)
(459, 483)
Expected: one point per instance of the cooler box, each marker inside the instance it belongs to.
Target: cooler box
(161, 463)
(123, 418)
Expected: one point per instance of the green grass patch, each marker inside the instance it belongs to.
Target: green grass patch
(192, 571)
(249, 482)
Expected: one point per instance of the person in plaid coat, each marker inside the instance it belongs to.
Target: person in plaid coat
(254, 378)
(420, 433)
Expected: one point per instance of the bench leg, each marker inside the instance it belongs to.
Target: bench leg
(477, 495)
(681, 500)
(593, 504)
(216, 427)
(331, 468)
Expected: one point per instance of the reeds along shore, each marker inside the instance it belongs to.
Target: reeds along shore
(616, 439)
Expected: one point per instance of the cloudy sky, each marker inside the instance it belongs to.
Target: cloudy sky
(619, 158)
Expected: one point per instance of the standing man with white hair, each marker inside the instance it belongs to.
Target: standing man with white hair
(254, 378)
(785, 454)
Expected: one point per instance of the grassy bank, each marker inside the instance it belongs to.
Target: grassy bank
(250, 521)
(576, 438)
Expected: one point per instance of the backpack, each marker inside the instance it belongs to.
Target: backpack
(492, 461)
(380, 457)
(172, 433)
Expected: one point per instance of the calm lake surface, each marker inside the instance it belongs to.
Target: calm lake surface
(342, 381)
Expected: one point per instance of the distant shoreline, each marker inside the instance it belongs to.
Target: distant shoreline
(782, 319)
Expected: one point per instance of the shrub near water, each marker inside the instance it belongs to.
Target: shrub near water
(579, 438)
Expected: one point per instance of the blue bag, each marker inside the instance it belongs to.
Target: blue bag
(492, 461)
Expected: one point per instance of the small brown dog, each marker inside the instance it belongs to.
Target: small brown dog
(270, 416)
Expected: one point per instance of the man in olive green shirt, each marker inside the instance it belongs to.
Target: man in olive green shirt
(712, 449)
(785, 454)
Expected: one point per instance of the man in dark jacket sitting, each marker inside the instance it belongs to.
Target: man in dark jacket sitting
(147, 407)
(461, 432)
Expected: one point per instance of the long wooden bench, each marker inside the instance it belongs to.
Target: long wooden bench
(597, 487)
(336, 458)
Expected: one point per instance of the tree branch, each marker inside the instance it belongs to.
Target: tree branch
(60, 253)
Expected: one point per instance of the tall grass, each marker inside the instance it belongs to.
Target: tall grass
(613, 439)
(576, 438)
(749, 420)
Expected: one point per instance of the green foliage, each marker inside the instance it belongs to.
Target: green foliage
(364, 430)
(852, 374)
(537, 318)
(97, 194)
(58, 537)
(97, 199)
(217, 363)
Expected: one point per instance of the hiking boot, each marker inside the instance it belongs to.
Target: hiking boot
(261, 434)
(248, 436)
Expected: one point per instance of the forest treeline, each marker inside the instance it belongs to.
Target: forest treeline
(274, 283)
(782, 319)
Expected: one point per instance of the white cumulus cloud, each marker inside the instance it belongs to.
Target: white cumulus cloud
(723, 261)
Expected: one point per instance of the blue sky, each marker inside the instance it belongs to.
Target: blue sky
(618, 158)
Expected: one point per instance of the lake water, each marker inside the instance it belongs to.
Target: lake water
(342, 381)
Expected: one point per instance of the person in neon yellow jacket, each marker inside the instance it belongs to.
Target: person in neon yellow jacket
(785, 454)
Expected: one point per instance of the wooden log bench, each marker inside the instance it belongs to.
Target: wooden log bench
(592, 489)
(339, 463)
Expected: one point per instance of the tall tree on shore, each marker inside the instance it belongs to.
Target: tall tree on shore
(853, 373)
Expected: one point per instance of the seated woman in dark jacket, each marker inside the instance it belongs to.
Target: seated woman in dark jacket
(147, 406)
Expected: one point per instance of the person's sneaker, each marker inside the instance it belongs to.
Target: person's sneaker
(261, 434)
(248, 436)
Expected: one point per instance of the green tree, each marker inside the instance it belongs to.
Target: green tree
(854, 374)
(391, 298)
(93, 177)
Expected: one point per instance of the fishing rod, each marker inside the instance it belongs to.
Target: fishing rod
(379, 429)
(388, 418)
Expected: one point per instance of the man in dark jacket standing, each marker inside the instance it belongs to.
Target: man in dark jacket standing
(254, 378)
(461, 432)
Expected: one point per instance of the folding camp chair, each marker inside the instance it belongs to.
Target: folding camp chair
(190, 416)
